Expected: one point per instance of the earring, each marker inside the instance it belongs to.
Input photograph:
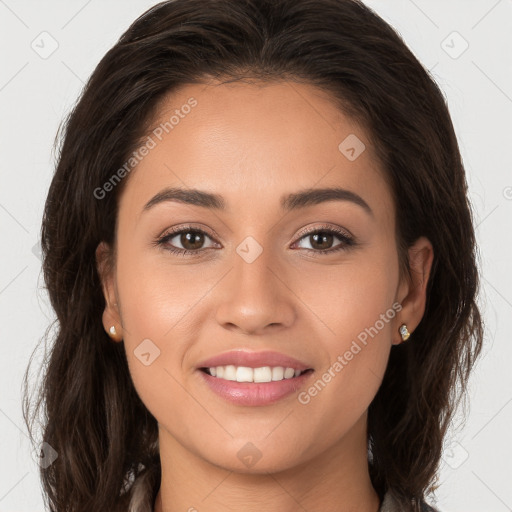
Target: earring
(404, 332)
(112, 332)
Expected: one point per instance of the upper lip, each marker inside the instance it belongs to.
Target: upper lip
(253, 360)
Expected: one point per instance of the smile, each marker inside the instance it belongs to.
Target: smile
(249, 391)
(247, 374)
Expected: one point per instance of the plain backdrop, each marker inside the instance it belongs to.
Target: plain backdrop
(48, 50)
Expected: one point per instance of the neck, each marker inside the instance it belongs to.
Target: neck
(334, 481)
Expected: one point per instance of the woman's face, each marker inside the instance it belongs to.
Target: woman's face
(257, 279)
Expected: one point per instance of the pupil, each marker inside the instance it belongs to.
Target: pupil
(324, 237)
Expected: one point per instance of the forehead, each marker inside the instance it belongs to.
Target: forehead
(253, 143)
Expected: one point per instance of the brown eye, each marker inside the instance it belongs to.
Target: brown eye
(191, 241)
(322, 240)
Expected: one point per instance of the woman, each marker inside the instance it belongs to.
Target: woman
(261, 254)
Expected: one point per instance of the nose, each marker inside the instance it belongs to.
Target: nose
(255, 297)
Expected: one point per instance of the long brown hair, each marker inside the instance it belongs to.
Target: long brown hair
(93, 418)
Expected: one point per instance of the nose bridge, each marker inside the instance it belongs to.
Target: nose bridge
(254, 281)
(255, 297)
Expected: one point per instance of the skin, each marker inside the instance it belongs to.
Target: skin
(253, 143)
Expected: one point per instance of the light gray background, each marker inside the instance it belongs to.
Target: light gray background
(37, 92)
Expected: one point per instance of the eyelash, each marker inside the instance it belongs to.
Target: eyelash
(347, 241)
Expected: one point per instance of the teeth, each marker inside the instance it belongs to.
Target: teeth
(246, 374)
(277, 373)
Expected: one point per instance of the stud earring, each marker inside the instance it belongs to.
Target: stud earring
(113, 331)
(404, 332)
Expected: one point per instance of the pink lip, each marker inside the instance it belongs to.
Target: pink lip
(253, 360)
(254, 393)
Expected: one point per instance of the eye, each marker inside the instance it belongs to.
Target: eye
(322, 238)
(191, 239)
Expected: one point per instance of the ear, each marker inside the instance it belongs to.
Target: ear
(412, 292)
(111, 316)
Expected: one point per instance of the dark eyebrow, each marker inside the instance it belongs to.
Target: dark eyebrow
(314, 196)
(294, 201)
(187, 196)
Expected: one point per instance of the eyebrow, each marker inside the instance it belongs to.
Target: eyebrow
(293, 201)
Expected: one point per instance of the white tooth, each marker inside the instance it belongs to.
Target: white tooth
(229, 372)
(277, 373)
(244, 374)
(263, 374)
(289, 373)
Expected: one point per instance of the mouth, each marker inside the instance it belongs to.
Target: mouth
(261, 386)
(255, 375)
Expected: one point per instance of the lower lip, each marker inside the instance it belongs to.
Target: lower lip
(254, 393)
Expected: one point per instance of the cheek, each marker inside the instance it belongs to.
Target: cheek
(160, 310)
(355, 309)
(344, 388)
(351, 296)
(157, 297)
